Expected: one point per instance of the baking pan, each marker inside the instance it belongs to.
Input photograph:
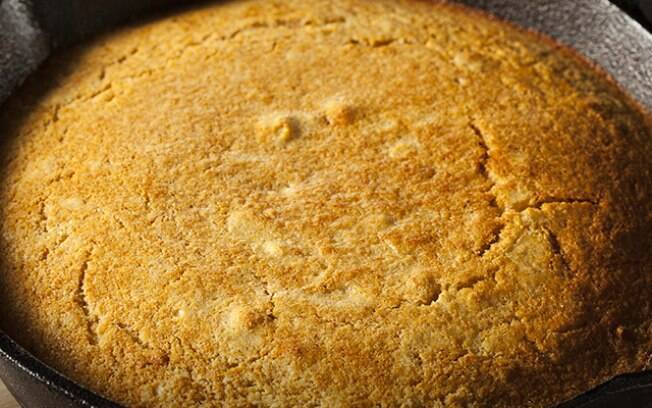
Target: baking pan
(31, 30)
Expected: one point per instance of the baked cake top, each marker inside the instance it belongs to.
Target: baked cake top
(327, 203)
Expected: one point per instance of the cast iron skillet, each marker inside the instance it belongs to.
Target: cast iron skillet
(31, 30)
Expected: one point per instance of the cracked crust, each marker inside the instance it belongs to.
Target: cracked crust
(328, 203)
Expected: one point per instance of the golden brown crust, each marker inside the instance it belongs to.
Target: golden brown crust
(328, 203)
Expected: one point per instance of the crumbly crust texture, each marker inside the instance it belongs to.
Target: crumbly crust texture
(335, 203)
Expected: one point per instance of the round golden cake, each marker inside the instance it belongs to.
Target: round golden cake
(327, 203)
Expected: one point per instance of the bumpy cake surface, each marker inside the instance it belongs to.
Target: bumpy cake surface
(327, 203)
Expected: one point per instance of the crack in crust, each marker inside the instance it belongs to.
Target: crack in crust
(475, 280)
(555, 244)
(82, 301)
(483, 169)
(560, 200)
(495, 237)
(557, 249)
(484, 172)
(133, 334)
(486, 156)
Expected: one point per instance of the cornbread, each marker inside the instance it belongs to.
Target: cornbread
(327, 203)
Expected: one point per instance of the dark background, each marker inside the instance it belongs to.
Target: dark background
(639, 9)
